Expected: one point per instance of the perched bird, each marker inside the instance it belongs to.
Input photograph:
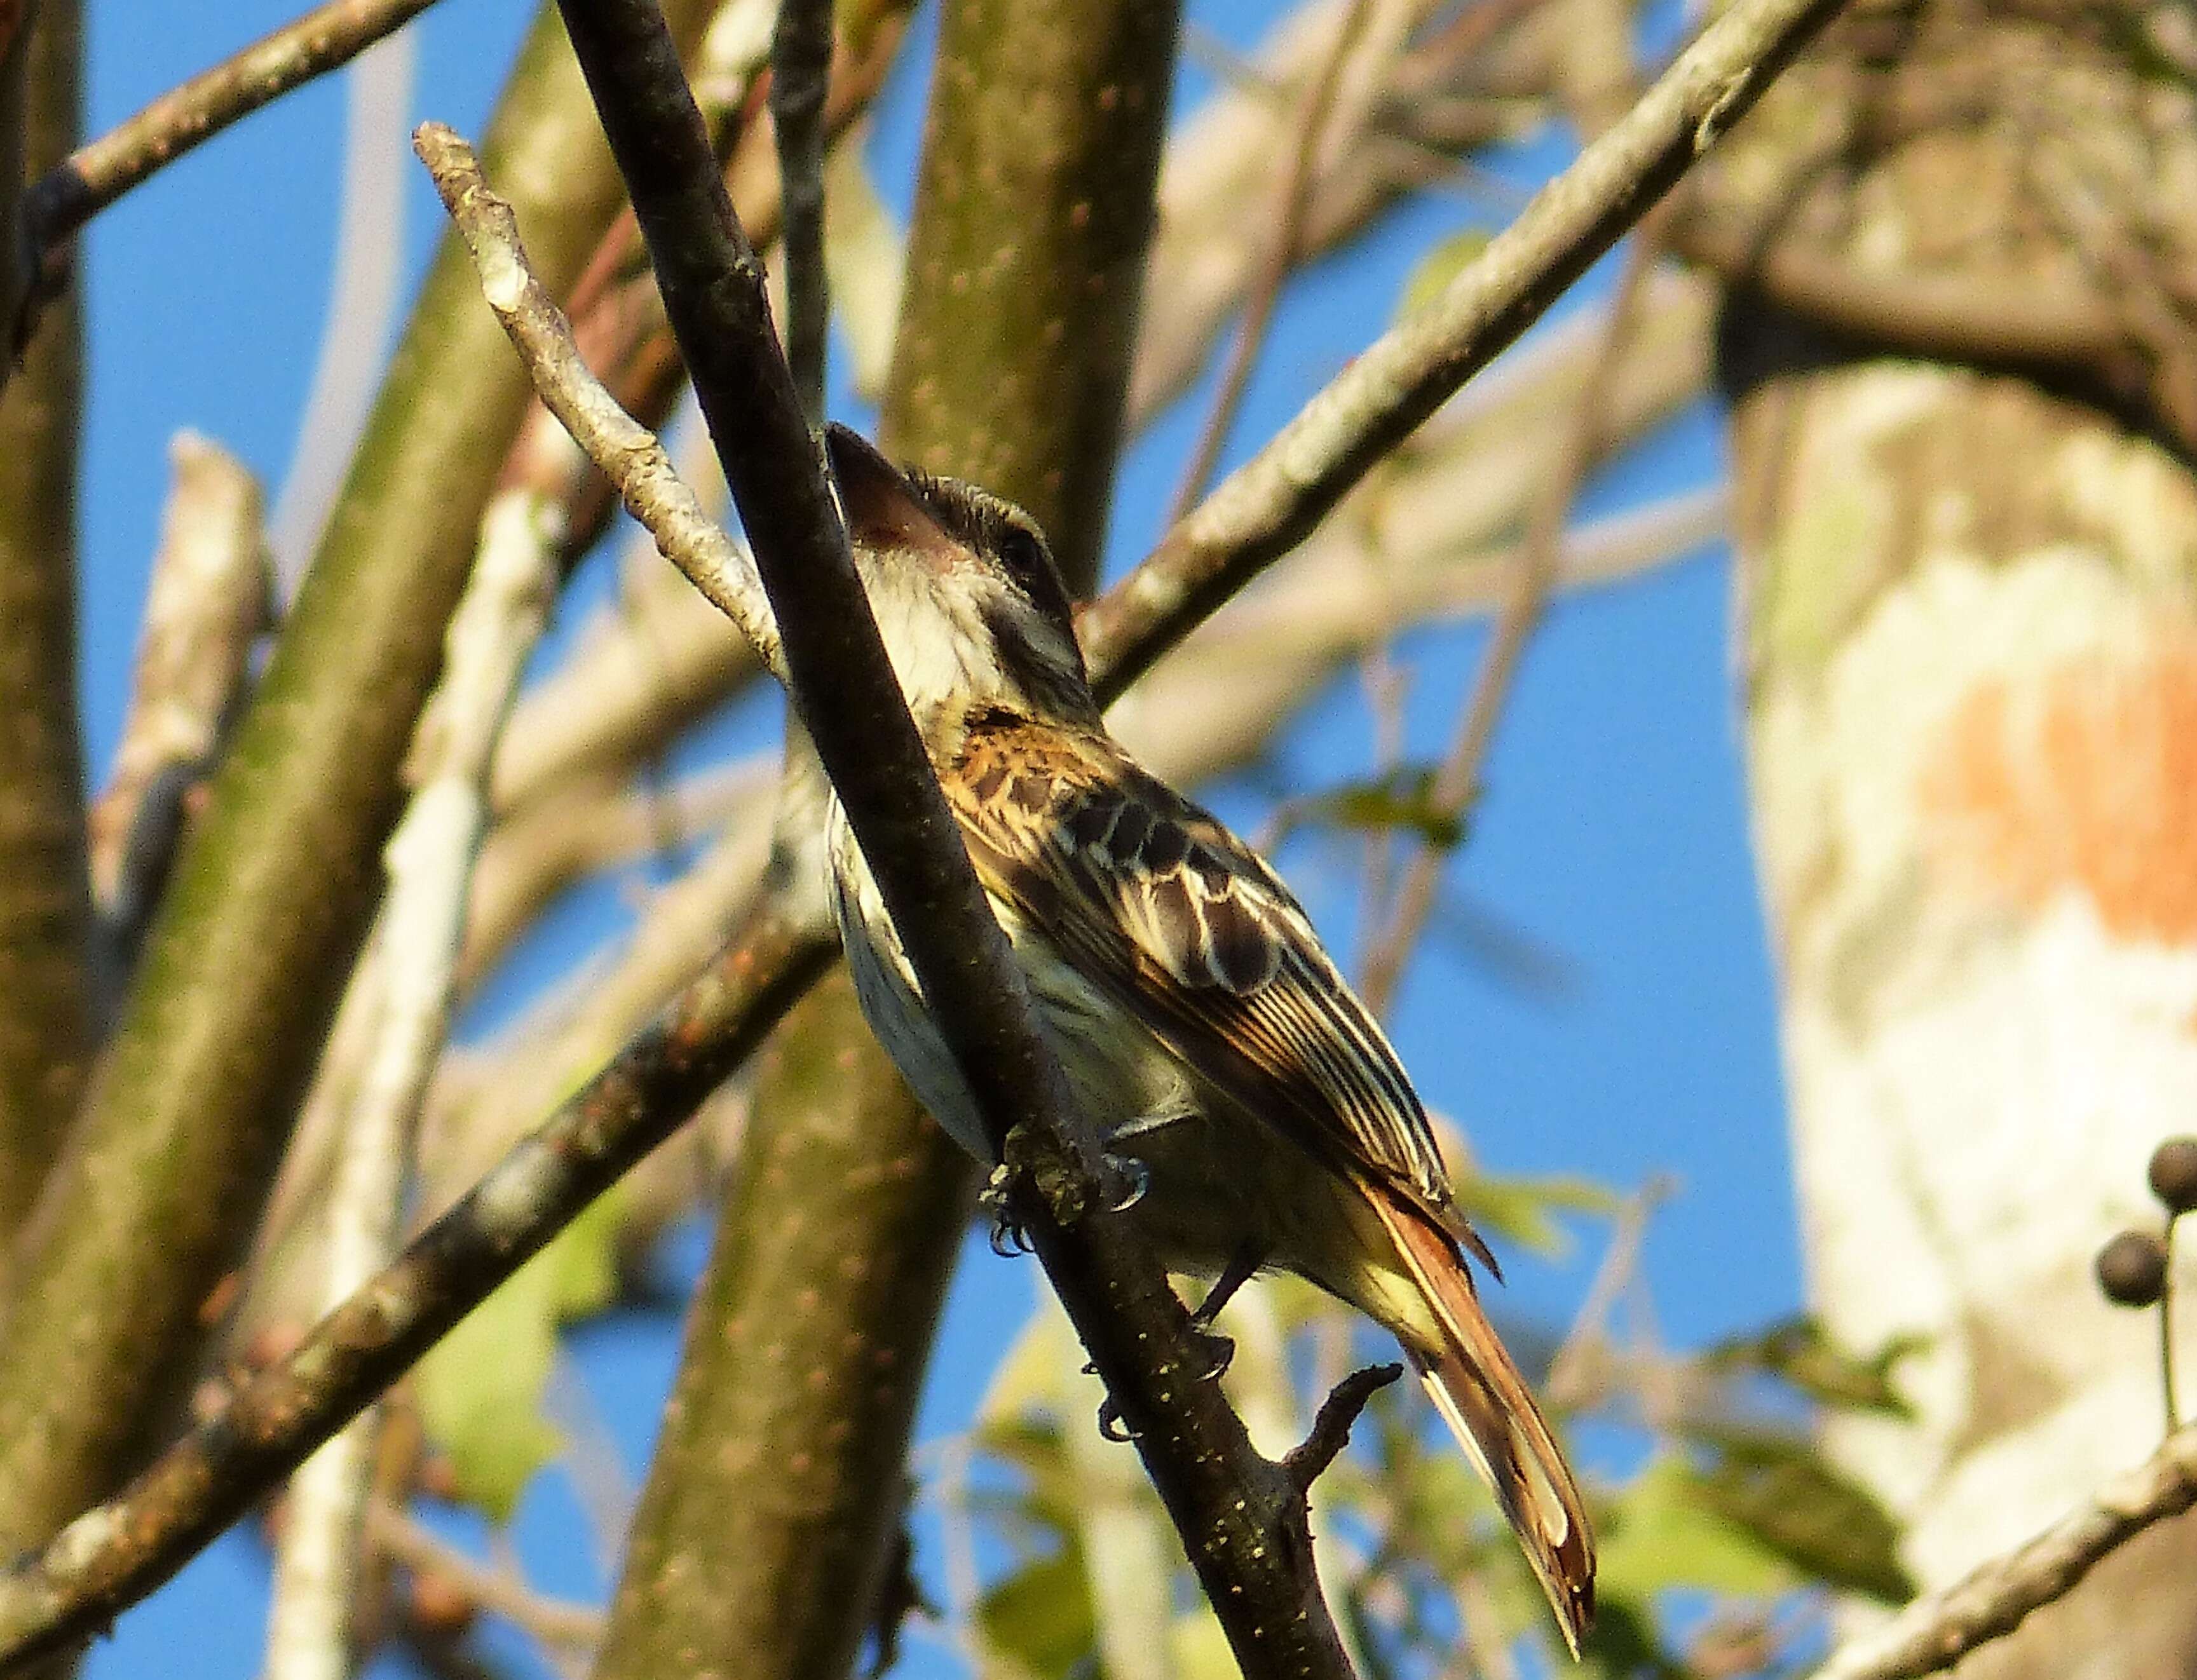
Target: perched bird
(1203, 1026)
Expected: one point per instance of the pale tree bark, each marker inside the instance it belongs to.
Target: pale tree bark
(1968, 608)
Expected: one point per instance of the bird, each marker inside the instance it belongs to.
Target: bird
(1200, 1021)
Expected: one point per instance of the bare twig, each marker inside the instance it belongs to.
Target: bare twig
(411, 971)
(422, 1550)
(1569, 1380)
(653, 492)
(205, 603)
(1242, 1521)
(1456, 782)
(1940, 1628)
(1294, 201)
(1268, 504)
(1331, 1429)
(100, 171)
(116, 1552)
(800, 72)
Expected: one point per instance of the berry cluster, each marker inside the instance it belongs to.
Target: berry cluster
(2132, 1266)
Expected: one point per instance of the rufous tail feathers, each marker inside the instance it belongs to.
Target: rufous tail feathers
(1487, 1404)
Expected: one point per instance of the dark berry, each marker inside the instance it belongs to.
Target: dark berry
(2174, 1174)
(2132, 1269)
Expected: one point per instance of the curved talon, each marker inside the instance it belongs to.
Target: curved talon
(1135, 1182)
(1008, 1239)
(1220, 1351)
(1111, 1426)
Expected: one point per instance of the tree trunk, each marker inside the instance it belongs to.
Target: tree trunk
(1968, 603)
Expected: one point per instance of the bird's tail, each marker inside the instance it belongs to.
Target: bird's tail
(1487, 1404)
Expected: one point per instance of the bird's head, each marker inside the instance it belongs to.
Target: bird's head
(963, 588)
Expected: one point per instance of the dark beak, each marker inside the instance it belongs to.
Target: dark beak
(884, 512)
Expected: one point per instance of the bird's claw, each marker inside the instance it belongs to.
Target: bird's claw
(1006, 1237)
(1220, 1351)
(1111, 1426)
(1129, 1181)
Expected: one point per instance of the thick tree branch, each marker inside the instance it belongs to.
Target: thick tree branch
(1026, 260)
(1940, 1628)
(158, 1193)
(1268, 504)
(115, 1554)
(46, 991)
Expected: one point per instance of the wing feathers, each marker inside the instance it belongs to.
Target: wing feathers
(1189, 930)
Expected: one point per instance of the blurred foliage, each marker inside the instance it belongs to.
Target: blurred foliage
(1797, 1350)
(480, 1390)
(1524, 1209)
(1401, 797)
(1726, 1499)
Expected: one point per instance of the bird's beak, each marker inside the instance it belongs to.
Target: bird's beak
(884, 513)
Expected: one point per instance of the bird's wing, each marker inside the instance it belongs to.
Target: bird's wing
(1183, 924)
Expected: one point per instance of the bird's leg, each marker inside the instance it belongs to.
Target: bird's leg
(1242, 1266)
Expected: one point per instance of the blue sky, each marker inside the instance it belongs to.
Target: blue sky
(1612, 833)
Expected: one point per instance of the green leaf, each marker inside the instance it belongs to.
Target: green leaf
(1659, 1533)
(1041, 1616)
(480, 1388)
(1403, 798)
(1523, 1208)
(1440, 266)
(1780, 1490)
(1799, 1352)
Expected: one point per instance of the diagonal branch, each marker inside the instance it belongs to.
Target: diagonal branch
(1264, 508)
(116, 1553)
(1939, 1629)
(1241, 1519)
(102, 171)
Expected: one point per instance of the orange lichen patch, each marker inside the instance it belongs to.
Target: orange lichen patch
(2085, 777)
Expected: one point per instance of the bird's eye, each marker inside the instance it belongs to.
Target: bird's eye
(1020, 552)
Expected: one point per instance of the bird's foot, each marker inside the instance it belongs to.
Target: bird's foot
(1007, 1237)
